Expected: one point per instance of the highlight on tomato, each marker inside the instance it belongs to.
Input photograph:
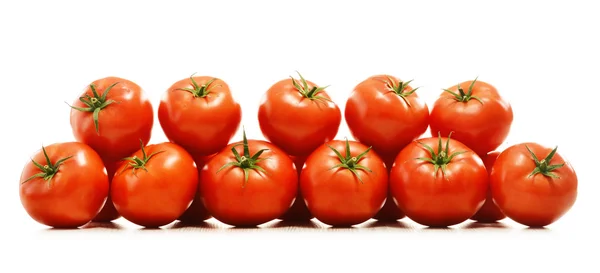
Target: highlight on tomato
(489, 212)
(298, 116)
(200, 114)
(248, 183)
(344, 183)
(438, 185)
(533, 184)
(64, 185)
(475, 112)
(155, 185)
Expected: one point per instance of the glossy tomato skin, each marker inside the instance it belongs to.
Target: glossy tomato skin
(380, 118)
(481, 126)
(108, 213)
(265, 196)
(201, 125)
(74, 195)
(532, 200)
(390, 211)
(197, 213)
(335, 196)
(121, 124)
(298, 212)
(489, 212)
(438, 200)
(297, 124)
(160, 195)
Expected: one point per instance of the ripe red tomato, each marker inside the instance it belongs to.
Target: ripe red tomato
(298, 116)
(109, 212)
(390, 211)
(197, 213)
(155, 186)
(200, 114)
(386, 113)
(438, 187)
(111, 116)
(298, 212)
(64, 186)
(248, 183)
(343, 183)
(533, 184)
(489, 212)
(478, 117)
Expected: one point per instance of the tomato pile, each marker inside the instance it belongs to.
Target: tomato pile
(392, 168)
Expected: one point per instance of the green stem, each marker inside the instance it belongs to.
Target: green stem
(349, 162)
(136, 163)
(442, 157)
(246, 162)
(463, 96)
(49, 170)
(308, 92)
(95, 103)
(543, 166)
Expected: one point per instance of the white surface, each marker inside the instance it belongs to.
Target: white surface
(542, 57)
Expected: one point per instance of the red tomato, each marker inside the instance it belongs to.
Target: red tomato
(197, 213)
(109, 212)
(343, 183)
(248, 183)
(390, 211)
(298, 212)
(438, 187)
(111, 116)
(298, 116)
(489, 212)
(478, 117)
(156, 185)
(533, 184)
(386, 113)
(200, 114)
(64, 186)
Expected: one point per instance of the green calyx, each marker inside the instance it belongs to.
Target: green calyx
(543, 166)
(139, 163)
(440, 159)
(463, 96)
(47, 171)
(95, 103)
(350, 162)
(246, 161)
(200, 91)
(309, 93)
(399, 87)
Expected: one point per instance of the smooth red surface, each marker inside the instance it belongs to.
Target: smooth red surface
(432, 199)
(160, 195)
(532, 200)
(378, 117)
(202, 126)
(336, 196)
(482, 127)
(296, 124)
(264, 197)
(74, 195)
(121, 124)
(489, 212)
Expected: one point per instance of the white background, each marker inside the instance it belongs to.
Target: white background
(543, 57)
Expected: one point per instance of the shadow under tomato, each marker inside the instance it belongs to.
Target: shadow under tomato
(479, 225)
(536, 229)
(186, 225)
(283, 224)
(387, 224)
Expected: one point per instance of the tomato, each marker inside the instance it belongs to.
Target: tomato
(109, 212)
(479, 117)
(298, 212)
(64, 186)
(200, 114)
(390, 211)
(489, 212)
(343, 183)
(386, 113)
(248, 183)
(111, 116)
(155, 186)
(298, 116)
(533, 184)
(197, 213)
(438, 187)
